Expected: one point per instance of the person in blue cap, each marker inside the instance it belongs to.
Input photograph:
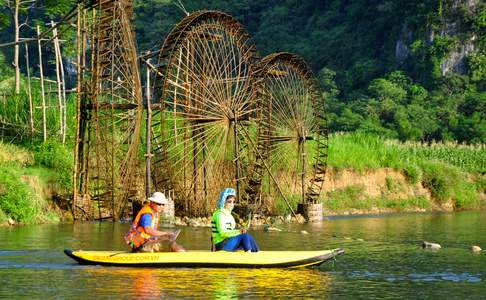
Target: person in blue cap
(225, 236)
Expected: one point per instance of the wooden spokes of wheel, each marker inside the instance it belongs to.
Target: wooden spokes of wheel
(292, 135)
(204, 93)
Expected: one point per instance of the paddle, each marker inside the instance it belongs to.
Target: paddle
(173, 237)
(248, 224)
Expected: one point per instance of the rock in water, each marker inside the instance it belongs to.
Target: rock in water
(476, 249)
(270, 228)
(304, 232)
(429, 245)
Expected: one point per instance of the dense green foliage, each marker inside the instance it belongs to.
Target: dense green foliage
(381, 64)
(390, 68)
(27, 179)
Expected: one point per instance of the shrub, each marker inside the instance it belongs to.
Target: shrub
(10, 153)
(413, 173)
(3, 217)
(466, 196)
(17, 199)
(440, 179)
(348, 197)
(421, 202)
(391, 184)
(52, 154)
(446, 182)
(282, 208)
(481, 184)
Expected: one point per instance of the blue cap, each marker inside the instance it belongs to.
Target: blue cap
(224, 194)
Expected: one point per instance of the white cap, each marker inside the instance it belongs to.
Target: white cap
(159, 198)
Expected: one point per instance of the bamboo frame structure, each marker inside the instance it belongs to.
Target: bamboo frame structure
(218, 116)
(204, 89)
(110, 116)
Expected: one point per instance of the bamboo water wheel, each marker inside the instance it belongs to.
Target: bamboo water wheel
(292, 134)
(110, 111)
(205, 96)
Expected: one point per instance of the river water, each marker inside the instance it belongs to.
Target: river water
(383, 259)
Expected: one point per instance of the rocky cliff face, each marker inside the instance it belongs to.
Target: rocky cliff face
(453, 26)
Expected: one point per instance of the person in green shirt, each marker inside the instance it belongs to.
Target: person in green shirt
(225, 236)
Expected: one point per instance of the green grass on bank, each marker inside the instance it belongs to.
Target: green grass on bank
(353, 197)
(363, 151)
(28, 176)
(449, 171)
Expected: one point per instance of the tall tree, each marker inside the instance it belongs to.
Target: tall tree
(16, 7)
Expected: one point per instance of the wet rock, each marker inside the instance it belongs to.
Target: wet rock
(288, 218)
(194, 223)
(428, 245)
(256, 221)
(179, 222)
(11, 222)
(207, 222)
(304, 232)
(298, 219)
(476, 249)
(270, 228)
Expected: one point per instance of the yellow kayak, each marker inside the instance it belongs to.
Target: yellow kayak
(205, 259)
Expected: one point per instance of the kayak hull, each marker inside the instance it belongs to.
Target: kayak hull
(205, 259)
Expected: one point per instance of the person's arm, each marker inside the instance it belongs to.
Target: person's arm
(151, 231)
(221, 226)
(146, 223)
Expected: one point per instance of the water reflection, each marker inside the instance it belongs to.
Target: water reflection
(210, 283)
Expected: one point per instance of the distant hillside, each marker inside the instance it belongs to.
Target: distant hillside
(413, 70)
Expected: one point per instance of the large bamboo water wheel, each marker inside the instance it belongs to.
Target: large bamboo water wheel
(292, 134)
(110, 111)
(205, 96)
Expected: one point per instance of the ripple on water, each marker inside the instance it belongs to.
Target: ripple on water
(418, 277)
(35, 260)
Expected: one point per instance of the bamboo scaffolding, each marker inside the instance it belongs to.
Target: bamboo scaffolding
(148, 154)
(29, 89)
(58, 81)
(44, 122)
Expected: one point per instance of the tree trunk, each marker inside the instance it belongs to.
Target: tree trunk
(16, 54)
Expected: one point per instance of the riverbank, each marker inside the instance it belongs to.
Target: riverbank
(31, 178)
(366, 175)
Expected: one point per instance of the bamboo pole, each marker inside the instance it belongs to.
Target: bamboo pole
(44, 129)
(29, 89)
(148, 155)
(77, 139)
(16, 47)
(63, 86)
(58, 80)
(237, 154)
